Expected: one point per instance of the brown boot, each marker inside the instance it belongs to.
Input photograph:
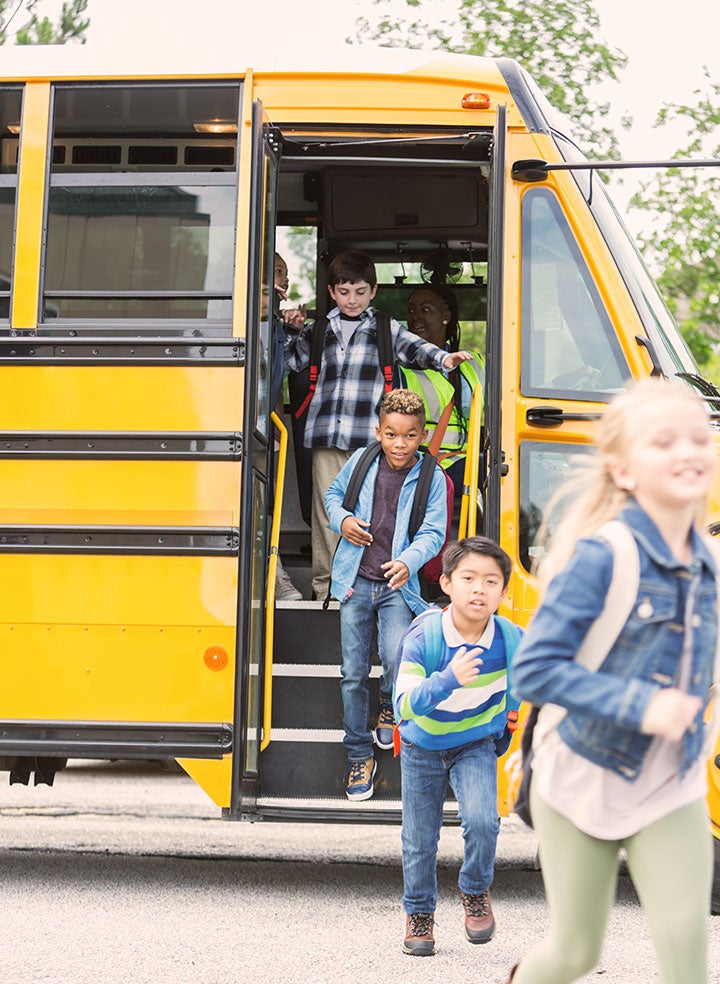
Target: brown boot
(479, 919)
(419, 940)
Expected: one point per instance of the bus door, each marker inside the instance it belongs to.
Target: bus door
(491, 460)
(257, 487)
(121, 392)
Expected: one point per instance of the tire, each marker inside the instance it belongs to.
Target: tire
(715, 903)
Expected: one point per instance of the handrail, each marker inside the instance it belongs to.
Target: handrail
(468, 516)
(270, 589)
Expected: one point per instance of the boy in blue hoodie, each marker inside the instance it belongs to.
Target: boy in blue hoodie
(456, 717)
(375, 573)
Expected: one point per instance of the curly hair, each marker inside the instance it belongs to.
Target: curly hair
(405, 402)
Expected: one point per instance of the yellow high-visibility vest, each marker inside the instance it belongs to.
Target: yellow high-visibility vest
(437, 391)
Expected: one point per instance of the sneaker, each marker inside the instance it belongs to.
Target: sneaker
(419, 940)
(385, 727)
(285, 590)
(360, 778)
(479, 919)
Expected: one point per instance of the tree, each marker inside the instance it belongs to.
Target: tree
(682, 244)
(557, 41)
(35, 28)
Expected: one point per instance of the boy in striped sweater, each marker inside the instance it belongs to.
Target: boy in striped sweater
(452, 698)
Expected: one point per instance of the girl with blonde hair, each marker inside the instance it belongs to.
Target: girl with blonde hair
(625, 767)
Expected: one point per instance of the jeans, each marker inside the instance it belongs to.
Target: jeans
(472, 772)
(372, 611)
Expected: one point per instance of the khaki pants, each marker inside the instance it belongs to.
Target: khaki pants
(326, 463)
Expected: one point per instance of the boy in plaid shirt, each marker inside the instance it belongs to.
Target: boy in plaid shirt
(343, 412)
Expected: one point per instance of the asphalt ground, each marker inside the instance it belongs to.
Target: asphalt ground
(126, 875)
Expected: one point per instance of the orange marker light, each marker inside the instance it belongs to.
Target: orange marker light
(476, 100)
(216, 657)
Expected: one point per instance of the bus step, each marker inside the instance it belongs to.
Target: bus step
(337, 810)
(311, 764)
(309, 696)
(304, 633)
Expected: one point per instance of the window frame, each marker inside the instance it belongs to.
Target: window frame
(145, 178)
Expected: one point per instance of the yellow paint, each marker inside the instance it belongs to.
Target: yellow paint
(30, 205)
(213, 777)
(89, 671)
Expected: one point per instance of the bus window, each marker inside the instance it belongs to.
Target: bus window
(10, 106)
(543, 469)
(142, 204)
(569, 345)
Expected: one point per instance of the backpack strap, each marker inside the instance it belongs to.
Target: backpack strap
(433, 640)
(511, 635)
(422, 494)
(619, 603)
(385, 348)
(317, 344)
(357, 477)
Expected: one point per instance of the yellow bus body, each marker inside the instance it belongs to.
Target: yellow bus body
(96, 635)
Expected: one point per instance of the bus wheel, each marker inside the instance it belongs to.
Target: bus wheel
(715, 903)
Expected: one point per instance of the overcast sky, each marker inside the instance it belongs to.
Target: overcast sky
(667, 44)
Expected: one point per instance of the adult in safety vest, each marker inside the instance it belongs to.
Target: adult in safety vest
(433, 315)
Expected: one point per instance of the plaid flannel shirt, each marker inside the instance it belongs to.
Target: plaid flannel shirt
(343, 411)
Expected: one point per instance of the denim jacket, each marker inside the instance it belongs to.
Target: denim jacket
(605, 709)
(427, 543)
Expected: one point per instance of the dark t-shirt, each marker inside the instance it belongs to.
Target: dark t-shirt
(388, 483)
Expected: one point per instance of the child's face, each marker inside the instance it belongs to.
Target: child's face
(281, 273)
(671, 461)
(352, 299)
(475, 587)
(400, 435)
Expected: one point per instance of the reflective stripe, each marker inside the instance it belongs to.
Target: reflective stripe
(436, 392)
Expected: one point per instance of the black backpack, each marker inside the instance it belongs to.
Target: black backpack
(420, 498)
(317, 345)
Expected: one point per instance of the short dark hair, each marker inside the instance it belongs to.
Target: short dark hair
(352, 267)
(405, 402)
(458, 550)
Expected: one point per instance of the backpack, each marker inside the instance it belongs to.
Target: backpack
(433, 568)
(432, 628)
(619, 602)
(317, 345)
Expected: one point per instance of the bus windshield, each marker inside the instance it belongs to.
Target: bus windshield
(672, 353)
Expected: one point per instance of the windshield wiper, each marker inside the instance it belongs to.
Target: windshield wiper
(704, 386)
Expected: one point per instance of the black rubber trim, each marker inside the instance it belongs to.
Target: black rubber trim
(96, 351)
(201, 541)
(93, 739)
(121, 445)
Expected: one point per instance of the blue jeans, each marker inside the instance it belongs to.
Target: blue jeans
(472, 772)
(373, 611)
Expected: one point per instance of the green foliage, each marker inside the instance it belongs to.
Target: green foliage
(39, 29)
(682, 245)
(557, 41)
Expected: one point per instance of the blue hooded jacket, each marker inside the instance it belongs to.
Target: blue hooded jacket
(427, 543)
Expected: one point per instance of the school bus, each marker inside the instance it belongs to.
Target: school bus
(141, 505)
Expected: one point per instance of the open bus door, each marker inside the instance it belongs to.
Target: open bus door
(257, 493)
(491, 462)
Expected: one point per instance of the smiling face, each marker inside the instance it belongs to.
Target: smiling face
(428, 316)
(400, 435)
(476, 588)
(670, 462)
(352, 299)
